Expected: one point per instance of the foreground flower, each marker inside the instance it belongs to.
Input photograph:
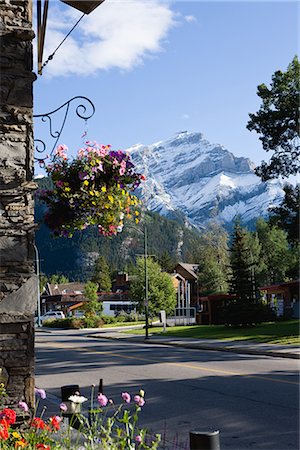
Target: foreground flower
(138, 439)
(55, 422)
(41, 393)
(9, 415)
(102, 400)
(4, 435)
(126, 397)
(139, 400)
(63, 407)
(21, 444)
(24, 406)
(39, 424)
(42, 447)
(77, 399)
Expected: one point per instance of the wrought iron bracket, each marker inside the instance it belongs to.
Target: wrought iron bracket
(82, 111)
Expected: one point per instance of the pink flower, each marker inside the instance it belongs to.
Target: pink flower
(138, 439)
(63, 407)
(102, 400)
(139, 400)
(126, 397)
(23, 406)
(40, 392)
(59, 183)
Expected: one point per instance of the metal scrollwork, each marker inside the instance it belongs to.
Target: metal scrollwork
(82, 111)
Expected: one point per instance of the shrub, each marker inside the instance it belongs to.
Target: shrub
(246, 313)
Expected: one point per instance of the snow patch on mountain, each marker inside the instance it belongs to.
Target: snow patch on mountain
(189, 174)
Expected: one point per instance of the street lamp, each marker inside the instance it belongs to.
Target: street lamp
(146, 301)
(37, 261)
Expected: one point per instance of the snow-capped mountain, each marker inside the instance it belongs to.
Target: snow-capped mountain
(188, 174)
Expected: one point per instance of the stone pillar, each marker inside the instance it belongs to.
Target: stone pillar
(18, 283)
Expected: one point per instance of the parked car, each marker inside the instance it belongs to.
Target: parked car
(51, 315)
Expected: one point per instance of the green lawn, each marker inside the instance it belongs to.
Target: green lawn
(121, 324)
(271, 332)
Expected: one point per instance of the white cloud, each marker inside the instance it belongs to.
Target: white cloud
(185, 116)
(118, 34)
(190, 19)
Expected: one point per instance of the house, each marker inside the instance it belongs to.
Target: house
(62, 297)
(185, 281)
(69, 297)
(283, 298)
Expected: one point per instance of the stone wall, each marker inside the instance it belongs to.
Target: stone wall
(18, 283)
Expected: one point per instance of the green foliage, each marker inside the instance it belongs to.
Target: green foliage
(286, 216)
(58, 279)
(161, 292)
(76, 323)
(214, 260)
(93, 306)
(101, 275)
(241, 260)
(276, 255)
(277, 121)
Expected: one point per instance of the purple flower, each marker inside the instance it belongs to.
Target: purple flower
(102, 400)
(139, 400)
(23, 406)
(63, 407)
(41, 393)
(126, 397)
(82, 175)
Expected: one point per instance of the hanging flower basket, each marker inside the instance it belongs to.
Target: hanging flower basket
(95, 188)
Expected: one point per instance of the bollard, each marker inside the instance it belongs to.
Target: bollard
(201, 440)
(100, 389)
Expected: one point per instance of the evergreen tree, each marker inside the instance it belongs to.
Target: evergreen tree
(286, 215)
(277, 121)
(214, 260)
(166, 262)
(101, 275)
(161, 292)
(241, 260)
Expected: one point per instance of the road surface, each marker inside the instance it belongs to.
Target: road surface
(252, 400)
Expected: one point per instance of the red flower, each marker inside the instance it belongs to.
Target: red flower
(54, 420)
(43, 447)
(4, 429)
(9, 415)
(39, 423)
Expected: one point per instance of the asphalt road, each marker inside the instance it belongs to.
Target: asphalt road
(252, 400)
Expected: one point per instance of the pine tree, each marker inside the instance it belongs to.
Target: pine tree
(101, 274)
(286, 215)
(241, 260)
(277, 121)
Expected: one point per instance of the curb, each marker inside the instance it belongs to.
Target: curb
(241, 350)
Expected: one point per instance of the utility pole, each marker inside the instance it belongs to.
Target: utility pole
(146, 286)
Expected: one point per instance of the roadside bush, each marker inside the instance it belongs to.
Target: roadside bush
(246, 314)
(74, 322)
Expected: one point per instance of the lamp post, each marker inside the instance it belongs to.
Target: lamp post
(146, 300)
(146, 286)
(37, 261)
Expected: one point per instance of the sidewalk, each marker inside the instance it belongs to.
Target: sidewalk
(245, 347)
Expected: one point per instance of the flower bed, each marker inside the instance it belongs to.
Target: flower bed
(107, 426)
(95, 188)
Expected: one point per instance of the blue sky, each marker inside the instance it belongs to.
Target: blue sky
(153, 68)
